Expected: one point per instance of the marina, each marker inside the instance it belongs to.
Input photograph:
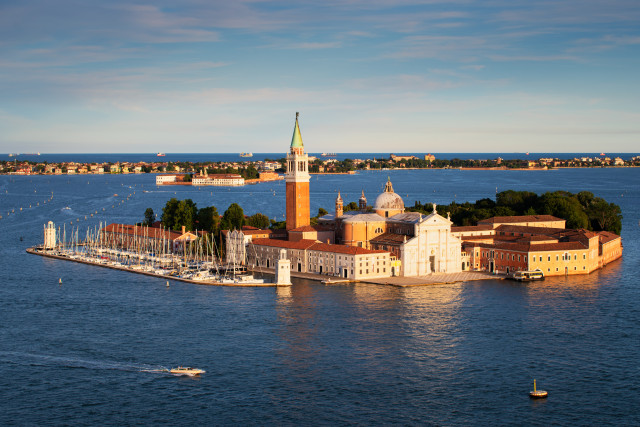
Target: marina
(152, 252)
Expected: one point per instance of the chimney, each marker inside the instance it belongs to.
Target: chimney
(184, 229)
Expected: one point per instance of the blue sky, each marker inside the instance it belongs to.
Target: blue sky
(366, 76)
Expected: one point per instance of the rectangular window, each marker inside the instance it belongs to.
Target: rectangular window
(557, 258)
(549, 258)
(584, 256)
(575, 257)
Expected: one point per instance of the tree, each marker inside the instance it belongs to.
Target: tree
(149, 217)
(259, 221)
(169, 213)
(233, 217)
(605, 216)
(209, 220)
(186, 214)
(322, 212)
(352, 206)
(177, 214)
(564, 205)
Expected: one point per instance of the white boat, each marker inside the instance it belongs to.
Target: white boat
(244, 279)
(528, 276)
(185, 370)
(160, 154)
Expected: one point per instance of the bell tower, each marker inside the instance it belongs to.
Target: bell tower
(297, 182)
(339, 206)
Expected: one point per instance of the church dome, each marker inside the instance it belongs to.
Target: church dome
(389, 203)
(386, 201)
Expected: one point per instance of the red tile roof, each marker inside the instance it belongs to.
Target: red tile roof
(606, 236)
(301, 245)
(517, 219)
(390, 239)
(480, 227)
(315, 246)
(342, 249)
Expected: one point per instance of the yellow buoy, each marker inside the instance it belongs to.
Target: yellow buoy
(537, 394)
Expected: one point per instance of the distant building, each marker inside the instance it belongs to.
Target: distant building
(218, 180)
(166, 179)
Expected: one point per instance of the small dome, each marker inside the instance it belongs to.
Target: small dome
(388, 201)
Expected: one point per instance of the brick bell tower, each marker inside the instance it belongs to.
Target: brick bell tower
(297, 179)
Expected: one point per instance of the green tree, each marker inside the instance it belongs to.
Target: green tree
(169, 213)
(352, 206)
(322, 212)
(605, 216)
(209, 220)
(186, 215)
(233, 217)
(259, 221)
(149, 217)
(564, 205)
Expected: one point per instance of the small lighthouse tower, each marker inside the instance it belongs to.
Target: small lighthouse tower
(50, 236)
(283, 269)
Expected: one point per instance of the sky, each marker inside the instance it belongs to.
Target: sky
(207, 76)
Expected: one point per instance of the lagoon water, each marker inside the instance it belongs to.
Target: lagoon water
(81, 352)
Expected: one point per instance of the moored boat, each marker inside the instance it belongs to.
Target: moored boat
(528, 276)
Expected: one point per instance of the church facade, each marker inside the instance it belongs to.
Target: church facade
(419, 244)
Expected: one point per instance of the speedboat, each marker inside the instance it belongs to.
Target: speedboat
(185, 370)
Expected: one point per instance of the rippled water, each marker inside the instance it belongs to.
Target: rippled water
(88, 351)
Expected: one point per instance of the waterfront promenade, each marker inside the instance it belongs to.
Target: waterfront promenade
(436, 279)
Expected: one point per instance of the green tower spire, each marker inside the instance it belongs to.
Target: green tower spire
(296, 140)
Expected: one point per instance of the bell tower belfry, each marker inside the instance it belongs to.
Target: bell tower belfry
(297, 182)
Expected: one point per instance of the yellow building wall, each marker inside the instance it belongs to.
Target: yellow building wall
(565, 262)
(360, 233)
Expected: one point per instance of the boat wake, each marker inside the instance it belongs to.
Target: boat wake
(30, 359)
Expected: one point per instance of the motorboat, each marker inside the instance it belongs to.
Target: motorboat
(185, 370)
(528, 276)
